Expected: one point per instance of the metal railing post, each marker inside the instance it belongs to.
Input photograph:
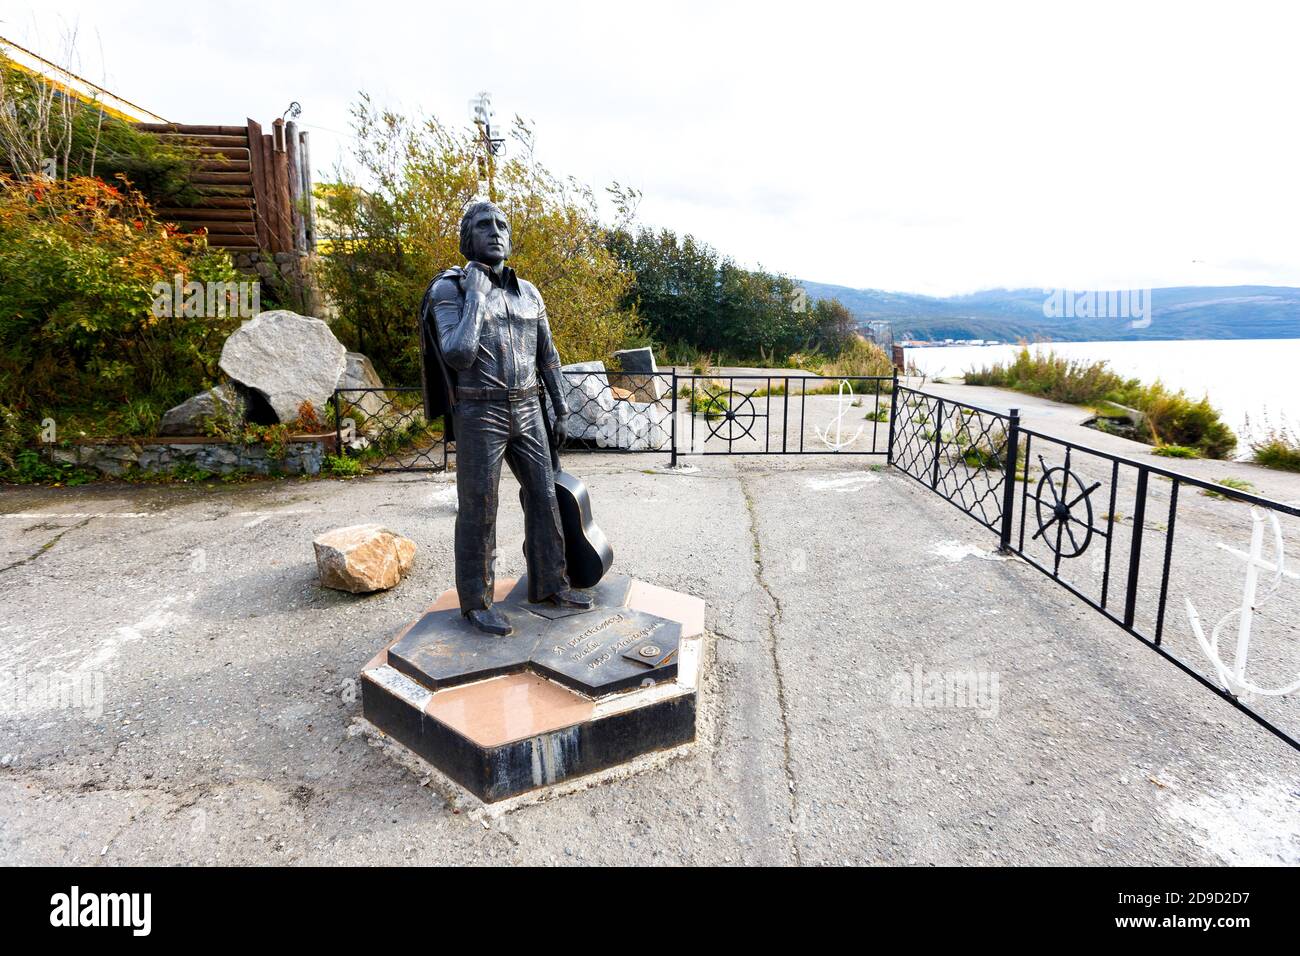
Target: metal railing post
(672, 455)
(1009, 478)
(938, 439)
(1135, 550)
(338, 428)
(893, 413)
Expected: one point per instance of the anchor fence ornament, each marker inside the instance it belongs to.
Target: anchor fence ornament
(1234, 677)
(838, 444)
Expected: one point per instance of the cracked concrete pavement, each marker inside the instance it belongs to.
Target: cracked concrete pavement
(229, 728)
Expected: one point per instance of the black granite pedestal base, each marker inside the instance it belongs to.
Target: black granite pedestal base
(568, 693)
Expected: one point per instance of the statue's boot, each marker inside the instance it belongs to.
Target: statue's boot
(571, 597)
(491, 621)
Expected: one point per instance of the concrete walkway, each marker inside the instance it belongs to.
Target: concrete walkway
(229, 729)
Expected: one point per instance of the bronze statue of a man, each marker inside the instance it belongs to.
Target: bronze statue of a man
(489, 331)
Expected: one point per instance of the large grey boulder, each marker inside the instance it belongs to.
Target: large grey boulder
(643, 426)
(286, 358)
(191, 416)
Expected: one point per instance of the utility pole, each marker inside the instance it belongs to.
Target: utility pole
(492, 141)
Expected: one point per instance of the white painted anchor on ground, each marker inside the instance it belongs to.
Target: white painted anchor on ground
(837, 444)
(1234, 677)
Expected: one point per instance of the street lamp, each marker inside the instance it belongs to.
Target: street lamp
(493, 143)
(481, 109)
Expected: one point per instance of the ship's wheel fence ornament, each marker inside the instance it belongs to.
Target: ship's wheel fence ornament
(838, 444)
(1058, 510)
(730, 411)
(1234, 677)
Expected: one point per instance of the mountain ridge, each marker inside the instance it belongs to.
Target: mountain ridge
(1176, 312)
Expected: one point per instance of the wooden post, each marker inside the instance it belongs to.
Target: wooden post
(278, 164)
(261, 194)
(309, 199)
(295, 187)
(270, 208)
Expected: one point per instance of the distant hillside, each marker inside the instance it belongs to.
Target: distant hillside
(1182, 312)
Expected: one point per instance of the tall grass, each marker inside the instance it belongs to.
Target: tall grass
(1040, 372)
(1172, 418)
(858, 357)
(1278, 448)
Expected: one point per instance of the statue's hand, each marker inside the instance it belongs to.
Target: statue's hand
(475, 278)
(561, 428)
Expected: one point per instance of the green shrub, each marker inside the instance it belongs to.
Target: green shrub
(981, 456)
(859, 357)
(12, 439)
(188, 471)
(341, 466)
(1172, 418)
(79, 341)
(393, 227)
(1280, 449)
(29, 468)
(84, 140)
(1175, 419)
(1043, 372)
(1175, 451)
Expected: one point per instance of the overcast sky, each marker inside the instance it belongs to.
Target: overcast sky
(918, 147)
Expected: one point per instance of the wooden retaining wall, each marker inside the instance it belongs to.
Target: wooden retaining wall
(255, 187)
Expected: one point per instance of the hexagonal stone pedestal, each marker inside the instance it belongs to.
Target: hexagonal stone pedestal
(568, 693)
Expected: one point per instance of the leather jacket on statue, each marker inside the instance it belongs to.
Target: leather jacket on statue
(510, 345)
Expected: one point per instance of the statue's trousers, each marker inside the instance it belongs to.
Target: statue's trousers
(486, 432)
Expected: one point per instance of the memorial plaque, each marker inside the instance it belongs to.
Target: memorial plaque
(593, 659)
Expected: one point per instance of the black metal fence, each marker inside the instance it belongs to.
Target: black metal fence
(385, 429)
(962, 452)
(640, 412)
(757, 414)
(1106, 528)
(620, 411)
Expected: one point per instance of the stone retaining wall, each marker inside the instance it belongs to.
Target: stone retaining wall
(303, 455)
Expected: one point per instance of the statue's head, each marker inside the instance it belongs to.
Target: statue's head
(485, 234)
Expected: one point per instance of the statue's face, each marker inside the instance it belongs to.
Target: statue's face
(490, 237)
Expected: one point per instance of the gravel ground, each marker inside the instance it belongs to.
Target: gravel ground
(230, 730)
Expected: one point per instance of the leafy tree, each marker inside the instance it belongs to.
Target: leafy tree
(393, 223)
(687, 294)
(833, 326)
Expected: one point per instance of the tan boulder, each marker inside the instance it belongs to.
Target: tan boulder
(362, 558)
